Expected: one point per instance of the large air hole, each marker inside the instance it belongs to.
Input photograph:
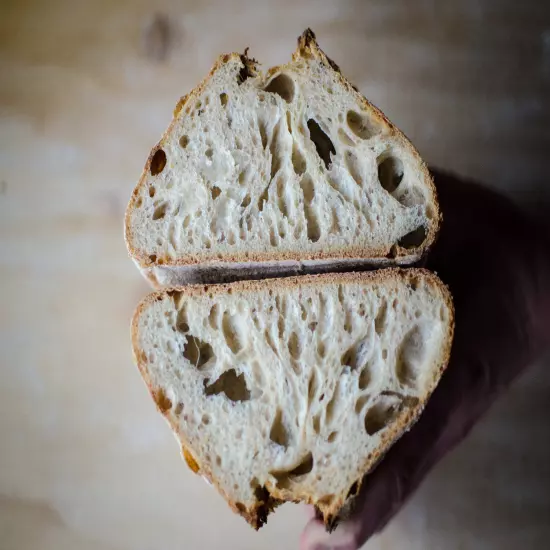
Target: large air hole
(390, 172)
(316, 424)
(158, 162)
(322, 142)
(321, 349)
(232, 333)
(305, 466)
(410, 356)
(361, 125)
(286, 477)
(382, 414)
(197, 352)
(357, 355)
(214, 317)
(348, 359)
(414, 239)
(313, 230)
(160, 211)
(233, 386)
(294, 346)
(365, 377)
(283, 86)
(278, 433)
(360, 403)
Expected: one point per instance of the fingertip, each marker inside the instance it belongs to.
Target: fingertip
(315, 537)
(312, 535)
(309, 510)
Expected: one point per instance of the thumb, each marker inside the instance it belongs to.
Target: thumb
(315, 537)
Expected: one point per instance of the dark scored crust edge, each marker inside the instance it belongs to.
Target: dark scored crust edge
(270, 496)
(307, 48)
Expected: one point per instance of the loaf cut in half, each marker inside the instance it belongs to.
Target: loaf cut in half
(291, 171)
(293, 389)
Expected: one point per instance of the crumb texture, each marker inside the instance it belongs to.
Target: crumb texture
(294, 388)
(293, 163)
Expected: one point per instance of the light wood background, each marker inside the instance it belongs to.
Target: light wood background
(86, 88)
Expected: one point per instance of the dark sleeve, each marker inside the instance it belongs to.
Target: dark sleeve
(496, 262)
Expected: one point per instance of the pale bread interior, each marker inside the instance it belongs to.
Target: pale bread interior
(290, 165)
(294, 387)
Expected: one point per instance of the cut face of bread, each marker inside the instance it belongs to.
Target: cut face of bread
(292, 389)
(278, 173)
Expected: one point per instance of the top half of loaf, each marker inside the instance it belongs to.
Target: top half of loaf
(292, 167)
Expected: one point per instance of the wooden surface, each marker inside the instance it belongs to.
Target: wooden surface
(86, 88)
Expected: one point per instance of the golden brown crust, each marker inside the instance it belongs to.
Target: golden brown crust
(273, 496)
(307, 48)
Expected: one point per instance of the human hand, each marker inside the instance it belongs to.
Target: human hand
(497, 265)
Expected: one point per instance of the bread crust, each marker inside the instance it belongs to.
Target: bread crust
(271, 495)
(389, 255)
